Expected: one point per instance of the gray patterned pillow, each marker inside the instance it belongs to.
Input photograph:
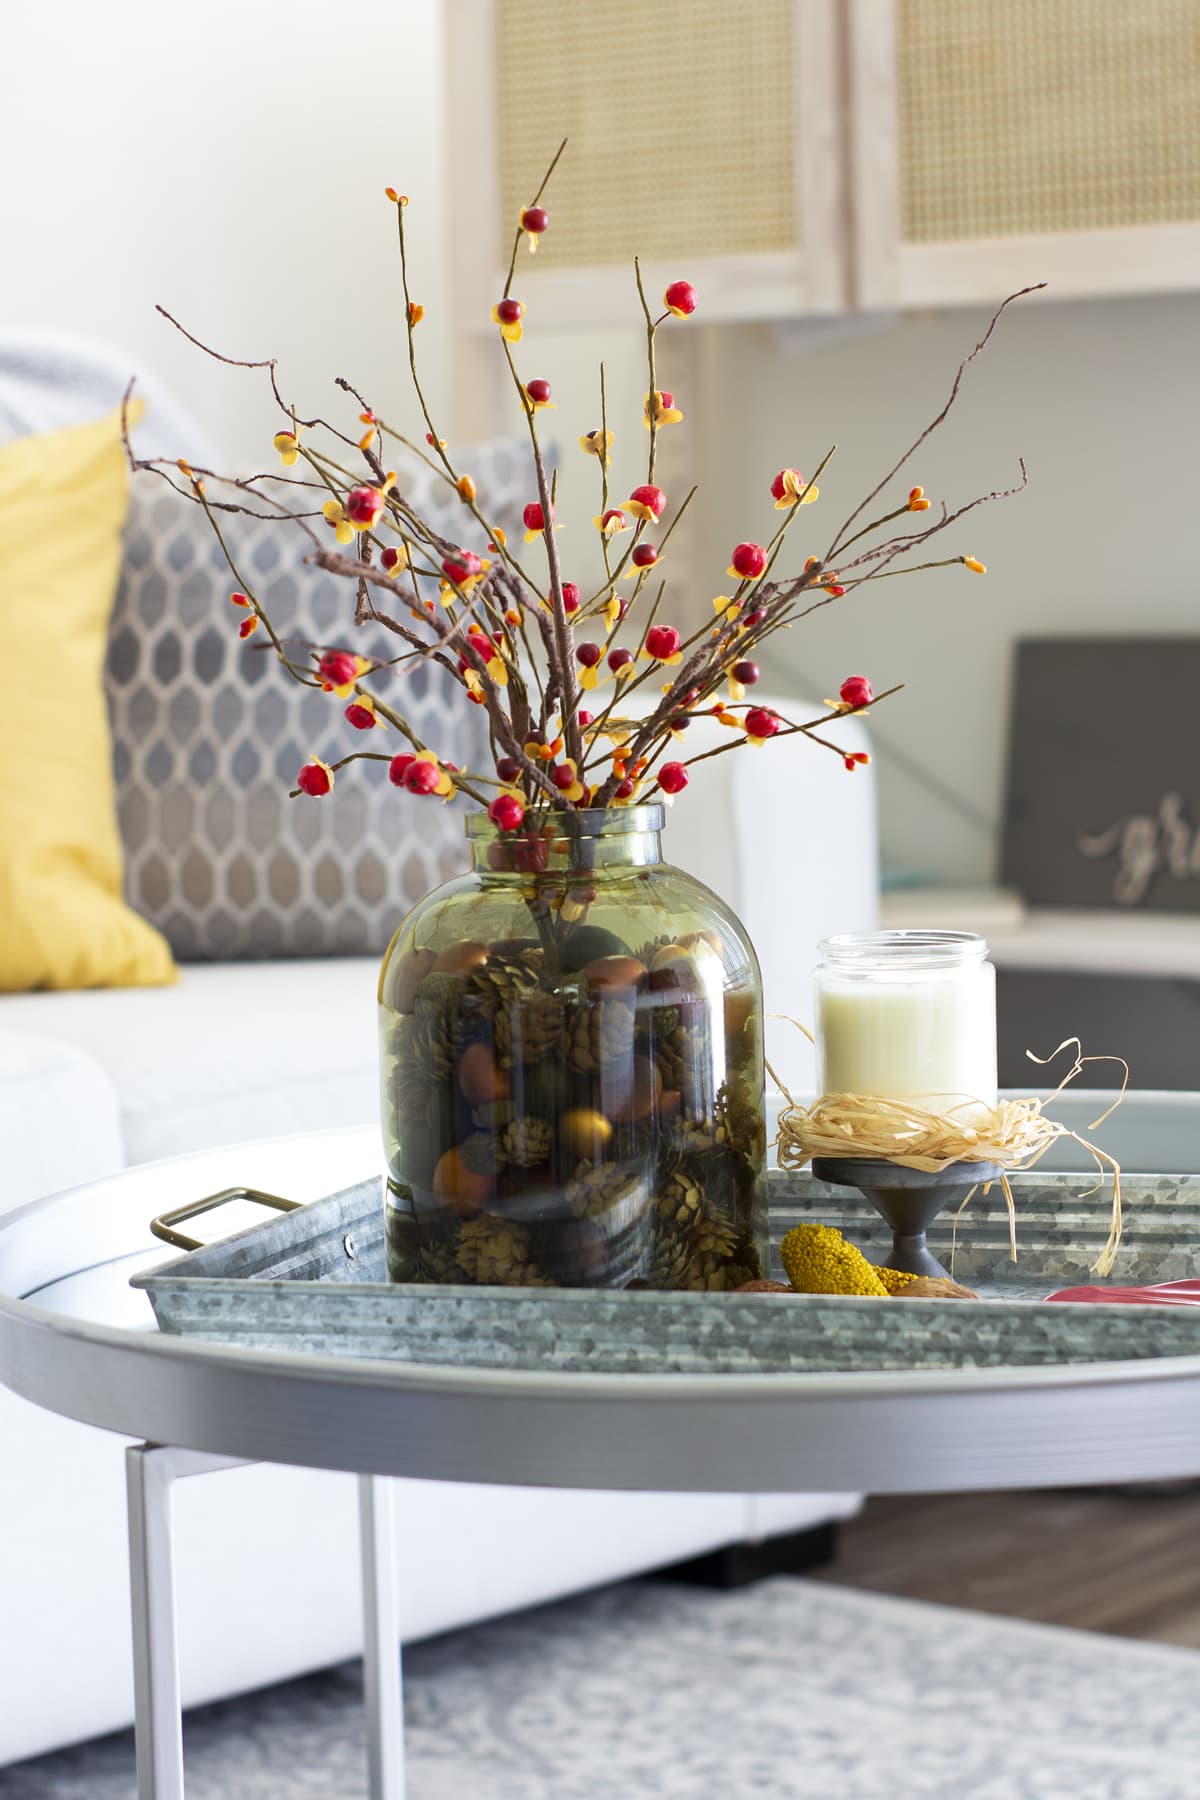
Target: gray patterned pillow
(208, 733)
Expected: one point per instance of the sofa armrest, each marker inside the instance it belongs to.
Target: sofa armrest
(59, 1120)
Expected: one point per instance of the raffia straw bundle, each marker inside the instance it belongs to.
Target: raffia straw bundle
(1015, 1134)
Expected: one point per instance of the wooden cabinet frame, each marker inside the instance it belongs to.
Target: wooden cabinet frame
(888, 273)
(766, 286)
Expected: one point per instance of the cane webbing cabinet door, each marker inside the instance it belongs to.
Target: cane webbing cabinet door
(703, 136)
(996, 144)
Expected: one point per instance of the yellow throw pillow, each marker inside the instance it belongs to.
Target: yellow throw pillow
(63, 922)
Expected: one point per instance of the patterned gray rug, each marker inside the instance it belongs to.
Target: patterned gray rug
(792, 1690)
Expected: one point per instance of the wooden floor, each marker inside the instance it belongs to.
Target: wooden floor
(1123, 1562)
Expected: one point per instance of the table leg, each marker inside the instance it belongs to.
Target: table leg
(382, 1674)
(151, 1471)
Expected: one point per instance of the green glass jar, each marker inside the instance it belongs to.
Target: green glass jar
(571, 1042)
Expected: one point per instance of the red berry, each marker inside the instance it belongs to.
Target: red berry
(585, 719)
(624, 791)
(619, 659)
(666, 400)
(399, 766)
(570, 594)
(754, 618)
(364, 505)
(421, 777)
(509, 311)
(588, 654)
(390, 557)
(746, 672)
(856, 690)
(533, 516)
(508, 768)
(535, 219)
(652, 498)
(337, 668)
(533, 857)
(681, 297)
(506, 812)
(673, 778)
(644, 556)
(562, 777)
(662, 641)
(361, 717)
(538, 391)
(779, 486)
(748, 561)
(760, 722)
(680, 722)
(315, 779)
(461, 566)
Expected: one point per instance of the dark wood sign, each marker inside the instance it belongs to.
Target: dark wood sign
(1104, 773)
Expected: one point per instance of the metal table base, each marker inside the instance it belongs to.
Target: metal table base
(151, 1471)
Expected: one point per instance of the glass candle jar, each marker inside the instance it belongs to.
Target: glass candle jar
(908, 1015)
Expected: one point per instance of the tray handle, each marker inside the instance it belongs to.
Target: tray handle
(163, 1226)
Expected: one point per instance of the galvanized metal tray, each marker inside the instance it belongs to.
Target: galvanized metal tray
(314, 1281)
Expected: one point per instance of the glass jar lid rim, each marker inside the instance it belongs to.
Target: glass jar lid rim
(903, 949)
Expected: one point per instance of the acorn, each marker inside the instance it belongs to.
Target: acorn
(585, 1132)
(630, 1091)
(605, 972)
(478, 1076)
(461, 958)
(763, 1286)
(458, 1186)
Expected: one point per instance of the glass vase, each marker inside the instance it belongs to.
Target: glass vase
(571, 1042)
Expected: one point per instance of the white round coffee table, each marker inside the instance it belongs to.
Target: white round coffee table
(75, 1338)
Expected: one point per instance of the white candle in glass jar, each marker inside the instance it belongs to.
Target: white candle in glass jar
(908, 1015)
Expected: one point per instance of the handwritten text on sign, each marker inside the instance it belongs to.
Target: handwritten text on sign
(1146, 845)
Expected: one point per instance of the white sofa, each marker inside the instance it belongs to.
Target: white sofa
(93, 1082)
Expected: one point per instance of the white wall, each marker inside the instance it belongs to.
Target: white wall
(228, 160)
(1100, 398)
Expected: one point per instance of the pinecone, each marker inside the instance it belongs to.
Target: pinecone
(526, 1141)
(740, 1123)
(503, 977)
(672, 1259)
(713, 1235)
(493, 1253)
(661, 1021)
(439, 1019)
(599, 1034)
(671, 1056)
(528, 1028)
(406, 1081)
(694, 1138)
(437, 1262)
(483, 1153)
(680, 1202)
(598, 1189)
(721, 1275)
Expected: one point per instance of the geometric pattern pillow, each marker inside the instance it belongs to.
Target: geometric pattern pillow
(208, 733)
